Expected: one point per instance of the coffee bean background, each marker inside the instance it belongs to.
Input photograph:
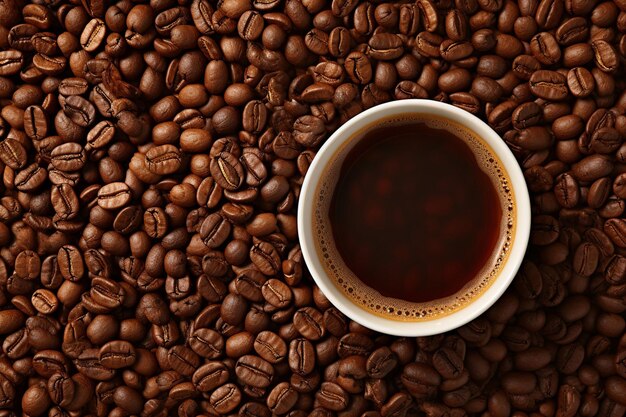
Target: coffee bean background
(152, 156)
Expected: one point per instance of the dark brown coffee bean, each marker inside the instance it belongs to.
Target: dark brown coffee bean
(465, 101)
(524, 66)
(114, 195)
(605, 56)
(577, 55)
(254, 371)
(428, 44)
(592, 167)
(12, 153)
(250, 25)
(486, 89)
(44, 301)
(65, 201)
(309, 323)
(342, 8)
(93, 35)
(615, 229)
(210, 376)
(11, 320)
(447, 363)
(572, 30)
(61, 389)
(276, 292)
(381, 362)
(428, 14)
(68, 157)
(183, 360)
(549, 85)
(409, 19)
(270, 347)
(580, 82)
(545, 48)
(605, 140)
(282, 398)
(533, 138)
(225, 398)
(567, 191)
(586, 259)
(70, 263)
(106, 293)
(301, 356)
(79, 110)
(332, 397)
(164, 159)
(227, 171)
(355, 344)
(456, 25)
(358, 67)
(117, 354)
(549, 13)
(35, 122)
(10, 62)
(385, 46)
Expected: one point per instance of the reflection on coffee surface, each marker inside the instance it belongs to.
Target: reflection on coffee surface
(415, 219)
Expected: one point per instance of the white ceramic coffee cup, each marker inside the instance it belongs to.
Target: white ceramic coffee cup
(308, 202)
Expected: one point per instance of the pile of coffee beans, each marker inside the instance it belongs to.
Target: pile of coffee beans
(152, 156)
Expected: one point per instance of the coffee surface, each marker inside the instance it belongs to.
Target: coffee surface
(395, 236)
(413, 214)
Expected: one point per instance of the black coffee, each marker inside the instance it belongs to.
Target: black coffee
(413, 214)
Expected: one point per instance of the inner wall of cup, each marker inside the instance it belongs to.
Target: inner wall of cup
(367, 298)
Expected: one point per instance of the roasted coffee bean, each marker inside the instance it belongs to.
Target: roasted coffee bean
(308, 322)
(604, 55)
(227, 171)
(117, 354)
(226, 398)
(615, 229)
(270, 347)
(301, 356)
(549, 85)
(282, 398)
(276, 292)
(254, 371)
(358, 68)
(580, 82)
(114, 195)
(68, 157)
(592, 167)
(381, 362)
(605, 140)
(79, 110)
(447, 363)
(164, 159)
(385, 46)
(210, 376)
(332, 397)
(11, 62)
(44, 301)
(183, 360)
(65, 201)
(545, 48)
(35, 122)
(266, 258)
(567, 191)
(70, 263)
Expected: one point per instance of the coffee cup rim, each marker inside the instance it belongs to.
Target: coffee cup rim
(519, 241)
